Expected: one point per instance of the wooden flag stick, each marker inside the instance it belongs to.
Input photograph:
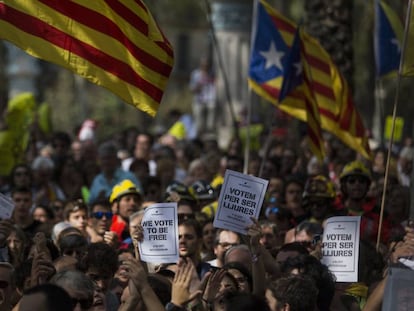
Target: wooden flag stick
(394, 115)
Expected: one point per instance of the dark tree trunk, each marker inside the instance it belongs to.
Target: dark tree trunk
(330, 21)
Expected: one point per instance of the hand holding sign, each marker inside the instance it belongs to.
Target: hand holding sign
(6, 227)
(341, 247)
(241, 198)
(159, 233)
(255, 233)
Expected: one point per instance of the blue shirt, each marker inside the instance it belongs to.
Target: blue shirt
(100, 183)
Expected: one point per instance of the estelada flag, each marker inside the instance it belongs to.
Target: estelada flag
(272, 38)
(387, 39)
(296, 79)
(112, 43)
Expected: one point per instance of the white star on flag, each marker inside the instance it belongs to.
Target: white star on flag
(273, 57)
(397, 44)
(298, 67)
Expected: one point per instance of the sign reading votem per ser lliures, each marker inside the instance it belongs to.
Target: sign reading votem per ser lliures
(6, 207)
(160, 224)
(241, 197)
(340, 247)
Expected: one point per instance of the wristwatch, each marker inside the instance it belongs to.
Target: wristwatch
(172, 307)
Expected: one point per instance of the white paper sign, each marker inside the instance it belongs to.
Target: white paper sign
(6, 207)
(241, 197)
(399, 290)
(160, 224)
(340, 247)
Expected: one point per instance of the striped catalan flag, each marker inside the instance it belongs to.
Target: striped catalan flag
(113, 43)
(274, 33)
(296, 79)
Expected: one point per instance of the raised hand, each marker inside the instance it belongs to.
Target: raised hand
(6, 227)
(180, 294)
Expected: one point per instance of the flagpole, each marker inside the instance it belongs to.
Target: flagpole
(394, 115)
(250, 96)
(248, 121)
(221, 66)
(267, 142)
(379, 111)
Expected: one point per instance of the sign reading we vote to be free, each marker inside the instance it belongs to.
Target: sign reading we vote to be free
(241, 197)
(160, 224)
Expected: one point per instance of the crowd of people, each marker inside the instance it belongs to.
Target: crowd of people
(71, 242)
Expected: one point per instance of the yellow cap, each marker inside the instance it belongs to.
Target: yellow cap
(355, 168)
(319, 186)
(124, 187)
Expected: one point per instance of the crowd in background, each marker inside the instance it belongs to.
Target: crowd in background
(78, 205)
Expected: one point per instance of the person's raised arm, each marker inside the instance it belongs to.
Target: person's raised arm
(374, 300)
(138, 280)
(180, 294)
(258, 268)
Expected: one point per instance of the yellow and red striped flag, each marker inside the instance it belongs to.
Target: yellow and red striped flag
(296, 79)
(113, 43)
(338, 115)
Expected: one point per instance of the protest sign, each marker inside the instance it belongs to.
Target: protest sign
(340, 247)
(6, 207)
(160, 224)
(399, 290)
(241, 198)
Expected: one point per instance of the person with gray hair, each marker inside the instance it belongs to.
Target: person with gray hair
(45, 297)
(135, 228)
(239, 253)
(405, 165)
(44, 188)
(110, 174)
(79, 287)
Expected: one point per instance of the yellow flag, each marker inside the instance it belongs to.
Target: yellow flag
(14, 140)
(408, 60)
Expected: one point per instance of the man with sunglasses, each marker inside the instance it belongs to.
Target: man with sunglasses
(355, 181)
(99, 222)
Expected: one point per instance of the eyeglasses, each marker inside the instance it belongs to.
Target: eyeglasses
(352, 180)
(317, 202)
(212, 231)
(3, 284)
(100, 215)
(186, 236)
(21, 173)
(241, 279)
(85, 304)
(305, 244)
(227, 245)
(185, 216)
